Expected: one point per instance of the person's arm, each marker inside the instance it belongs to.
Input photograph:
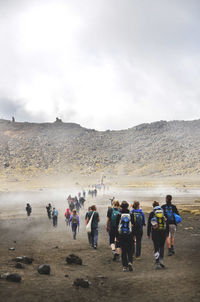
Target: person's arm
(107, 224)
(109, 213)
(98, 218)
(78, 221)
(143, 219)
(86, 219)
(175, 210)
(167, 227)
(149, 225)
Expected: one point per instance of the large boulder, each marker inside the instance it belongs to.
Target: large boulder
(73, 259)
(44, 269)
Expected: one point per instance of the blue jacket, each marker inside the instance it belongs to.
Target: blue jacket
(140, 211)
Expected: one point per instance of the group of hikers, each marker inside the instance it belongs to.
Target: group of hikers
(125, 228)
(76, 202)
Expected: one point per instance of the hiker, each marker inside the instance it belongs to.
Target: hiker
(74, 220)
(111, 201)
(67, 216)
(94, 226)
(77, 205)
(158, 227)
(55, 217)
(125, 236)
(49, 209)
(86, 221)
(82, 201)
(111, 228)
(95, 192)
(84, 194)
(28, 209)
(71, 205)
(169, 210)
(139, 222)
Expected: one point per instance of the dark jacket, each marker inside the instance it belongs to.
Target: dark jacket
(174, 210)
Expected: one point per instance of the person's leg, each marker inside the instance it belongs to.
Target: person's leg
(155, 238)
(130, 244)
(95, 237)
(124, 252)
(173, 230)
(138, 244)
(162, 248)
(92, 237)
(169, 239)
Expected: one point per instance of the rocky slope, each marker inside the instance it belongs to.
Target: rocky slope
(160, 148)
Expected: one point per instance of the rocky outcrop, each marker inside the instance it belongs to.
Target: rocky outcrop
(160, 148)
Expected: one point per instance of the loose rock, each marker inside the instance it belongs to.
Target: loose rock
(24, 259)
(20, 265)
(73, 259)
(82, 283)
(11, 277)
(44, 269)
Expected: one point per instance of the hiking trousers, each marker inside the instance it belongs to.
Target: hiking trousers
(55, 221)
(138, 237)
(94, 236)
(74, 229)
(159, 238)
(126, 244)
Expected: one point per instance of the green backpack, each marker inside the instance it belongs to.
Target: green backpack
(113, 219)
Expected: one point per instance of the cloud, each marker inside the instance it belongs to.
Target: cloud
(103, 64)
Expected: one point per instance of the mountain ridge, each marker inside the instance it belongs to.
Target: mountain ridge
(158, 148)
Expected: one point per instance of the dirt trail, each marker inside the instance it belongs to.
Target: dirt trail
(37, 238)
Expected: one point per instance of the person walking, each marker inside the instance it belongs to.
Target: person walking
(75, 222)
(86, 222)
(49, 209)
(169, 210)
(111, 227)
(67, 216)
(158, 228)
(94, 225)
(55, 217)
(139, 222)
(125, 236)
(28, 209)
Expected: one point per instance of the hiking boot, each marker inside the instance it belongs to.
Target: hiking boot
(115, 257)
(130, 267)
(172, 250)
(137, 258)
(124, 269)
(169, 252)
(157, 266)
(95, 247)
(161, 263)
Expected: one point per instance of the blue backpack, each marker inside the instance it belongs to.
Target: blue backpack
(114, 215)
(125, 224)
(170, 214)
(138, 220)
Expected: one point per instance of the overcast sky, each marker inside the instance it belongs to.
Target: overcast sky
(105, 64)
